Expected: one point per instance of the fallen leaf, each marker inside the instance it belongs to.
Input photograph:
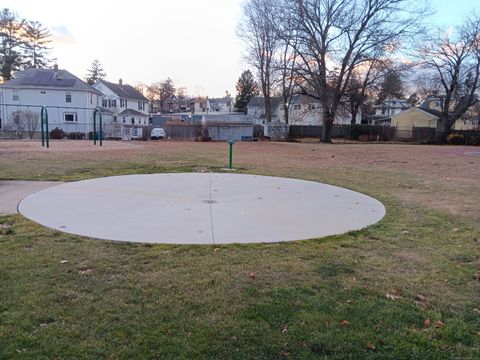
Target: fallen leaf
(252, 276)
(345, 322)
(349, 301)
(421, 298)
(477, 276)
(381, 342)
(438, 324)
(476, 311)
(427, 323)
(63, 261)
(85, 271)
(285, 329)
(216, 249)
(444, 348)
(393, 294)
(370, 346)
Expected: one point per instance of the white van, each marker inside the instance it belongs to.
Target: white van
(157, 133)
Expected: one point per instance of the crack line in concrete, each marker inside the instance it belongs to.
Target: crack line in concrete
(210, 204)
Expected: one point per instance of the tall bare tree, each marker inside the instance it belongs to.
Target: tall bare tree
(334, 37)
(453, 59)
(163, 91)
(258, 32)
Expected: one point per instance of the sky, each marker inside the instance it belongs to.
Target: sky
(193, 42)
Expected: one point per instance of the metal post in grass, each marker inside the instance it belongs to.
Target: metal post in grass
(44, 126)
(230, 142)
(100, 135)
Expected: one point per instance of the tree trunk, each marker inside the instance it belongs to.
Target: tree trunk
(353, 120)
(327, 130)
(268, 108)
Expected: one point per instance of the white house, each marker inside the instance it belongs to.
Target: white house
(303, 110)
(125, 108)
(390, 107)
(70, 102)
(220, 105)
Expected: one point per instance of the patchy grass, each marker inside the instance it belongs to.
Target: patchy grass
(64, 296)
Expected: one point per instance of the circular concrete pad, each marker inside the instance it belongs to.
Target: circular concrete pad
(201, 208)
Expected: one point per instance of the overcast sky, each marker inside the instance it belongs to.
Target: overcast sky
(191, 41)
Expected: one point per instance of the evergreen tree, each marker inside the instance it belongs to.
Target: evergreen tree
(392, 86)
(10, 43)
(95, 72)
(247, 88)
(36, 39)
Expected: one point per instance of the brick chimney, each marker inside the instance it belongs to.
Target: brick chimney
(120, 82)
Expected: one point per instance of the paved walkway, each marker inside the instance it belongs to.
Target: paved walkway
(201, 208)
(11, 192)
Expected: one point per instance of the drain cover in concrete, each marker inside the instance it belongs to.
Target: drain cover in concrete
(201, 209)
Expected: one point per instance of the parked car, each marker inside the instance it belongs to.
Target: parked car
(158, 133)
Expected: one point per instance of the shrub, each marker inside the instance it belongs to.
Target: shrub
(57, 133)
(456, 139)
(76, 136)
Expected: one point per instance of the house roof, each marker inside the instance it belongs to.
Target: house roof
(259, 101)
(125, 91)
(394, 104)
(128, 112)
(433, 112)
(48, 79)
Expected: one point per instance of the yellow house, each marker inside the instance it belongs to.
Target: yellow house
(405, 121)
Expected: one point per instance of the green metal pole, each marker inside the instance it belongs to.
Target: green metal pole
(44, 121)
(41, 125)
(231, 154)
(95, 127)
(101, 127)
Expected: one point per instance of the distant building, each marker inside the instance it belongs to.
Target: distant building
(70, 101)
(127, 104)
(303, 110)
(390, 107)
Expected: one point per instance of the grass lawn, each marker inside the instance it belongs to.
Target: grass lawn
(405, 288)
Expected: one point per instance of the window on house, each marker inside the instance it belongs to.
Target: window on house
(68, 97)
(312, 107)
(133, 120)
(114, 119)
(91, 98)
(143, 107)
(124, 119)
(297, 107)
(114, 103)
(15, 95)
(139, 105)
(43, 92)
(70, 117)
(109, 103)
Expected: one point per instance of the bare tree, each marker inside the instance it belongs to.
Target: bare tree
(258, 32)
(24, 121)
(454, 58)
(163, 91)
(335, 37)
